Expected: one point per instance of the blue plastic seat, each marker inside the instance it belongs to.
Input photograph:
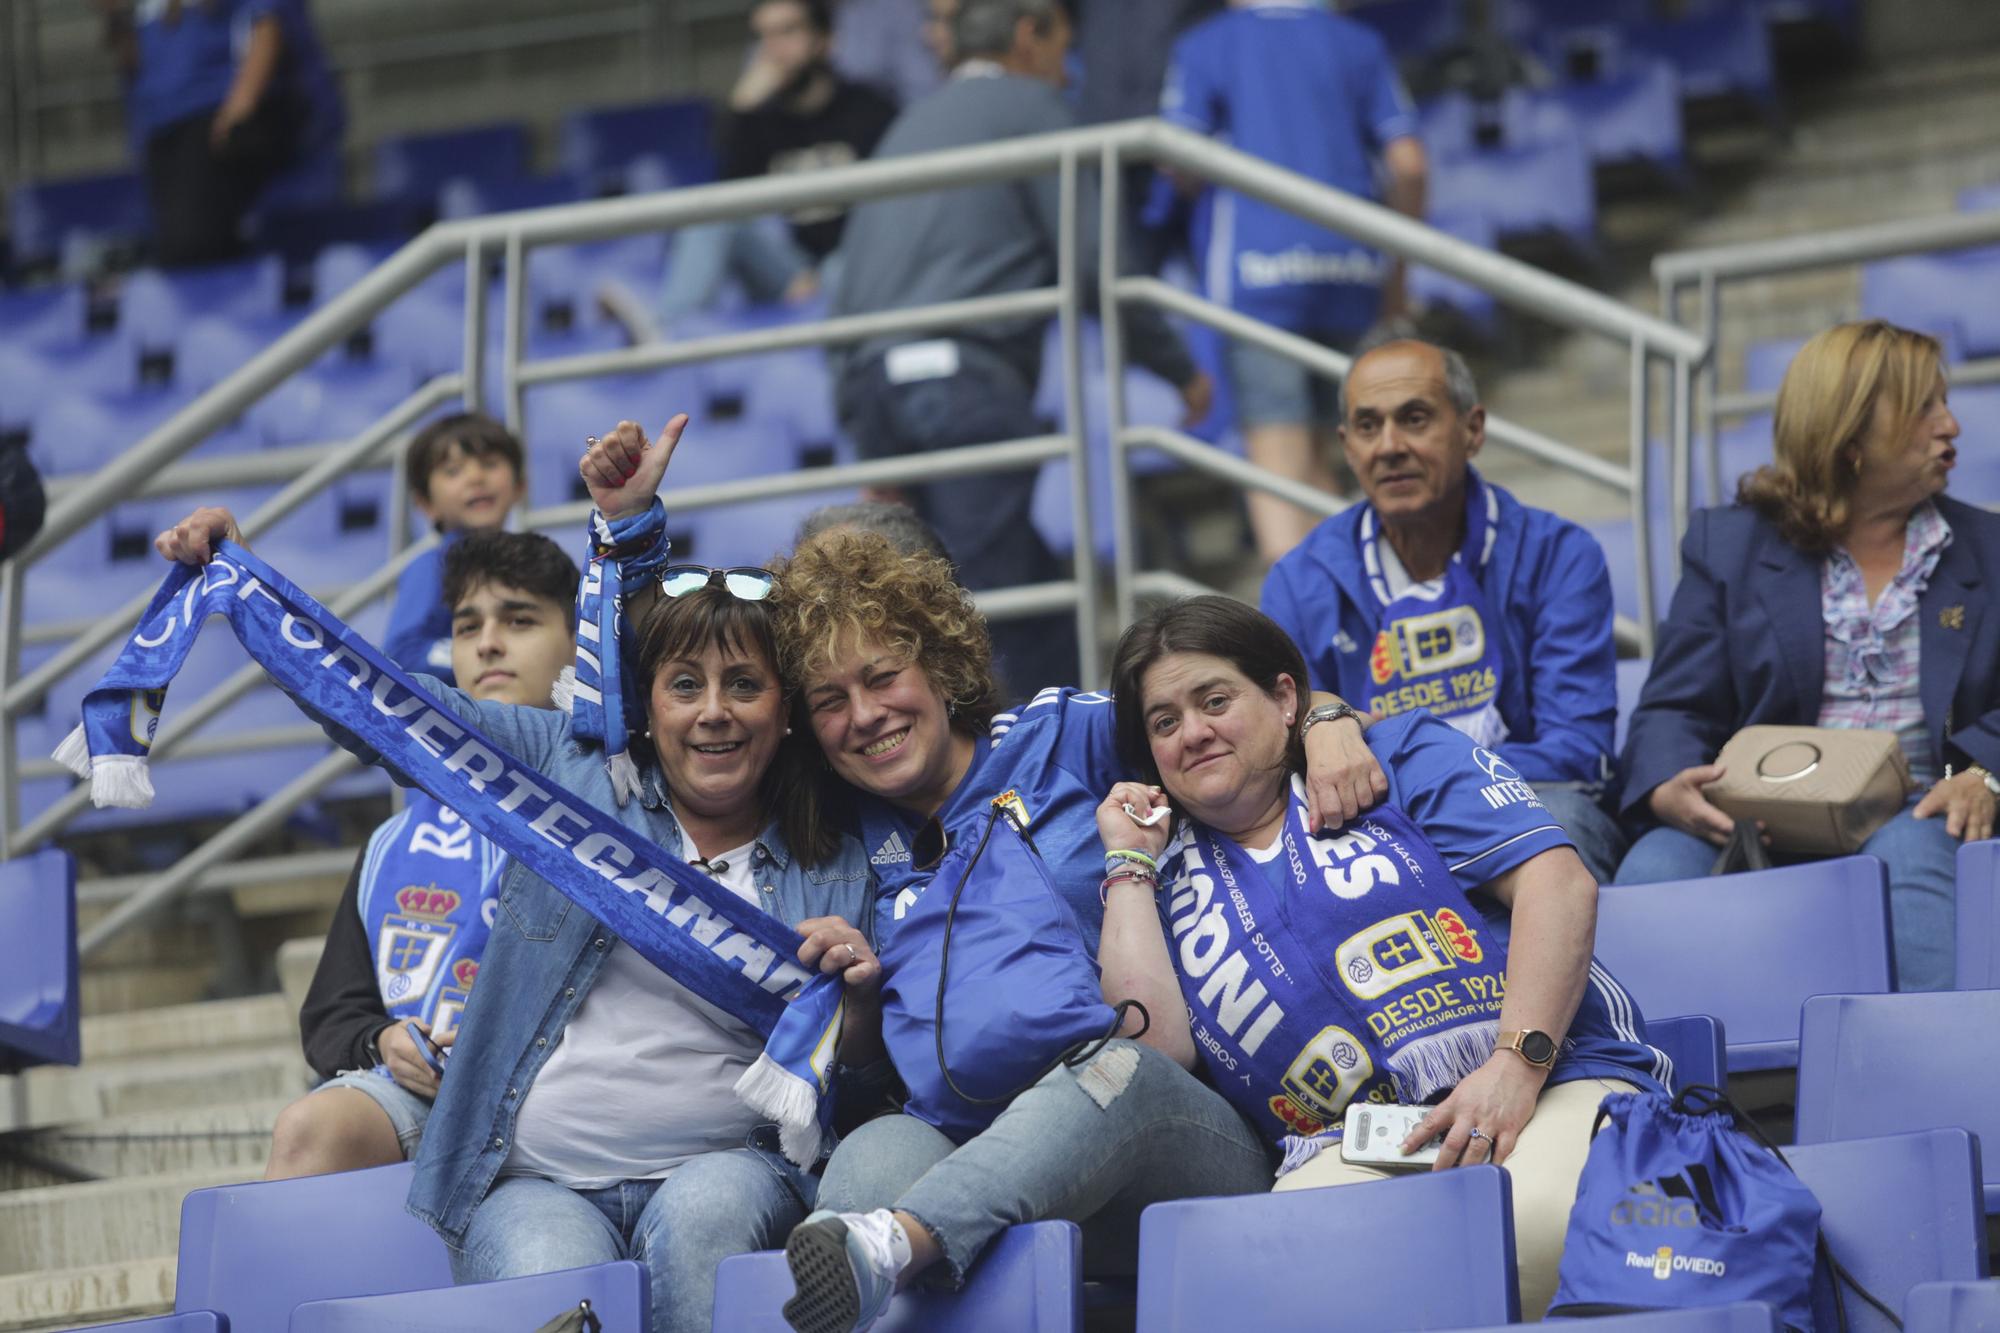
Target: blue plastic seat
(1694, 1042)
(1631, 116)
(1979, 198)
(1029, 1280)
(192, 1321)
(1750, 948)
(461, 198)
(1952, 1307)
(1897, 1211)
(1930, 292)
(559, 417)
(1722, 52)
(1528, 20)
(44, 215)
(1631, 676)
(1765, 363)
(617, 1292)
(255, 1251)
(1979, 917)
(1737, 1317)
(1886, 1064)
(1430, 288)
(53, 314)
(1412, 27)
(415, 163)
(600, 146)
(1522, 192)
(76, 433)
(39, 1010)
(1423, 1251)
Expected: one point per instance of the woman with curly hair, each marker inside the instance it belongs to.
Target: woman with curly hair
(1842, 589)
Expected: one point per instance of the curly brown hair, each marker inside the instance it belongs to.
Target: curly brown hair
(1826, 406)
(844, 585)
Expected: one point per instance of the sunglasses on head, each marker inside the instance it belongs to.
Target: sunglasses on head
(744, 582)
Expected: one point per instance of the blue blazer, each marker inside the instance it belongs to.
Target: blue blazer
(1744, 643)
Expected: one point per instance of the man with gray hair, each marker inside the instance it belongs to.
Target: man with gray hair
(1442, 591)
(909, 393)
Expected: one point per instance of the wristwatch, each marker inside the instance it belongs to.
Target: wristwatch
(1332, 712)
(371, 1046)
(1537, 1048)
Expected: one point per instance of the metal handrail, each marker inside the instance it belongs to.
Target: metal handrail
(152, 464)
(1706, 270)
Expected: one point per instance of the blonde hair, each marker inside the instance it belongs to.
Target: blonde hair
(844, 585)
(1826, 406)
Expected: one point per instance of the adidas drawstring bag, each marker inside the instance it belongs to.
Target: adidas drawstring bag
(1679, 1206)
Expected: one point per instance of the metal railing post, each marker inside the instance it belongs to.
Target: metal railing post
(1083, 559)
(475, 327)
(515, 334)
(10, 661)
(1711, 438)
(1110, 314)
(1680, 407)
(1642, 531)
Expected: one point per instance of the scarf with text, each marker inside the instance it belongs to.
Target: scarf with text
(1293, 1026)
(1432, 649)
(725, 950)
(599, 693)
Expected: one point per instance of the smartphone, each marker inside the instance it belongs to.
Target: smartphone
(432, 1055)
(1374, 1135)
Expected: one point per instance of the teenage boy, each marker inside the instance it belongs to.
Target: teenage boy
(465, 474)
(405, 942)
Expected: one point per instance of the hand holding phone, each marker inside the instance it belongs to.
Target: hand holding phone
(1374, 1136)
(434, 1056)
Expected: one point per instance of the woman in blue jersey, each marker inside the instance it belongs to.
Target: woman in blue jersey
(1434, 950)
(896, 683)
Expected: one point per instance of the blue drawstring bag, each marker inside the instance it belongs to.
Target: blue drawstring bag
(988, 984)
(1680, 1206)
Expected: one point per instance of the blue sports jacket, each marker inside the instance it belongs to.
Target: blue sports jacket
(1548, 595)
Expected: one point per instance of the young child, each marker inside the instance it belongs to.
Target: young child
(405, 942)
(465, 474)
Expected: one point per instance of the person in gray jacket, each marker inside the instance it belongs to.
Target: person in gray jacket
(908, 393)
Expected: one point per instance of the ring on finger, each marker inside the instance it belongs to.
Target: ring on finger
(589, 443)
(853, 955)
(1480, 1134)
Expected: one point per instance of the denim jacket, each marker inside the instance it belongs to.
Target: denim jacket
(545, 953)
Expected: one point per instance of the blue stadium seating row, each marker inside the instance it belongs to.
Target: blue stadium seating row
(336, 1252)
(40, 1017)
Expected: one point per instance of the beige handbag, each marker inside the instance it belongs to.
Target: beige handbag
(1819, 791)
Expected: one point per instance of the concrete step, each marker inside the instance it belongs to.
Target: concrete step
(297, 961)
(101, 1221)
(253, 1020)
(50, 1096)
(62, 1299)
(146, 986)
(235, 1136)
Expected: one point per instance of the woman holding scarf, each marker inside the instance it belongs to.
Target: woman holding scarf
(588, 1112)
(1434, 950)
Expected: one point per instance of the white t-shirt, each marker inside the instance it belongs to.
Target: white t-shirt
(643, 1078)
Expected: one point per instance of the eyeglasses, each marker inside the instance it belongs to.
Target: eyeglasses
(746, 583)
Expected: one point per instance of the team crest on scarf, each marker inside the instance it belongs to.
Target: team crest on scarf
(414, 940)
(452, 998)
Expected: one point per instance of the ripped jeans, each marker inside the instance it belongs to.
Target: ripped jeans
(1093, 1145)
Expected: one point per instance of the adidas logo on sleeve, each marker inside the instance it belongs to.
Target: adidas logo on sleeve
(893, 852)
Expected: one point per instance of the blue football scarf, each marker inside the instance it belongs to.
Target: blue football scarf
(426, 896)
(1348, 966)
(725, 950)
(599, 693)
(1433, 650)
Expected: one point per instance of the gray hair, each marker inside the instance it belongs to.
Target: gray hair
(985, 28)
(906, 531)
(1459, 385)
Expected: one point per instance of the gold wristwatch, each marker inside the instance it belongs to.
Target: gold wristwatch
(1537, 1048)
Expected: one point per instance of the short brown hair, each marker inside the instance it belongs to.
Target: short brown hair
(477, 434)
(845, 584)
(1825, 407)
(793, 788)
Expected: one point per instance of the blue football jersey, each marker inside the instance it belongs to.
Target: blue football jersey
(1311, 91)
(1485, 820)
(1058, 756)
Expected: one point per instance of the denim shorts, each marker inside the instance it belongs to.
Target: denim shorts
(407, 1111)
(1274, 390)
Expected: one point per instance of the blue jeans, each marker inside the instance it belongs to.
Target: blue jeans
(1596, 834)
(1094, 1145)
(1922, 860)
(758, 252)
(680, 1228)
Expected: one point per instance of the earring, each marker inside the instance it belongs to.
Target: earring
(788, 731)
(1288, 719)
(951, 708)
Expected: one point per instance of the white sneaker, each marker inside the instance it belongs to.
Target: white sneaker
(844, 1266)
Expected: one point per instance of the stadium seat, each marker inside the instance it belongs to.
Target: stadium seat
(1750, 948)
(78, 432)
(40, 1013)
(601, 146)
(1027, 1281)
(1897, 1211)
(1765, 363)
(1723, 52)
(618, 1294)
(1527, 20)
(460, 198)
(1979, 917)
(153, 304)
(56, 313)
(1523, 192)
(1695, 1044)
(254, 1251)
(1423, 1251)
(1633, 116)
(415, 163)
(560, 416)
(1887, 1064)
(1952, 1307)
(1738, 1317)
(44, 216)
(1979, 198)
(1631, 675)
(1430, 289)
(1412, 28)
(1931, 292)
(192, 1321)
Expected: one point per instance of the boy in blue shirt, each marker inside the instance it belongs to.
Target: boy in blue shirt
(1316, 93)
(465, 475)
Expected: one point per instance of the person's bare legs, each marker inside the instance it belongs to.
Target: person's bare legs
(1291, 450)
(334, 1129)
